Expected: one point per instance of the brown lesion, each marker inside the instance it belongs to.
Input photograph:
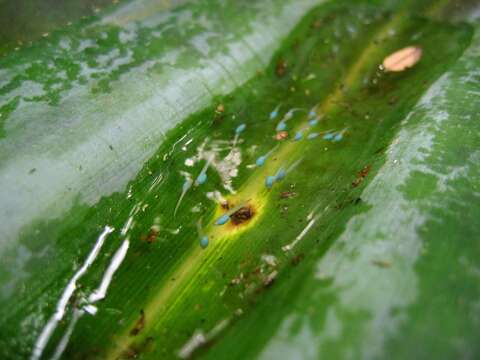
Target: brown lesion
(242, 215)
(139, 325)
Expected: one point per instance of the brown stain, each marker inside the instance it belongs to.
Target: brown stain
(385, 264)
(297, 259)
(225, 205)
(139, 325)
(151, 237)
(281, 67)
(242, 215)
(361, 175)
(287, 194)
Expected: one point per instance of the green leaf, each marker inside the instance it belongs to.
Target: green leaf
(366, 247)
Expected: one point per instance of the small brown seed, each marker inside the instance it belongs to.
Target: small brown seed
(402, 59)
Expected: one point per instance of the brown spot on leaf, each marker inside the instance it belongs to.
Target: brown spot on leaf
(361, 175)
(382, 263)
(225, 205)
(281, 67)
(287, 194)
(296, 259)
(242, 215)
(139, 325)
(316, 24)
(151, 237)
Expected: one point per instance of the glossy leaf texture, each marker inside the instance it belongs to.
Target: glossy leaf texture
(236, 180)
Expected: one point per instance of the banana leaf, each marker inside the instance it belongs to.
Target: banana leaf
(237, 180)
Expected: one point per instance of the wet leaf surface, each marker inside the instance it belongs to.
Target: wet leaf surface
(287, 200)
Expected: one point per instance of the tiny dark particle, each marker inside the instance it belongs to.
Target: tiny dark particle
(131, 353)
(225, 205)
(297, 258)
(393, 100)
(382, 263)
(357, 182)
(151, 237)
(111, 147)
(316, 24)
(287, 194)
(281, 67)
(32, 171)
(380, 150)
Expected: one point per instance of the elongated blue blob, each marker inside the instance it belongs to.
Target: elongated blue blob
(338, 137)
(312, 136)
(280, 175)
(204, 241)
(269, 181)
(201, 179)
(261, 160)
(312, 113)
(298, 136)
(281, 126)
(274, 112)
(186, 185)
(328, 136)
(313, 122)
(240, 128)
(222, 220)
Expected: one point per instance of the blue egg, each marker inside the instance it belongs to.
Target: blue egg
(240, 128)
(273, 114)
(222, 220)
(281, 126)
(312, 136)
(204, 241)
(338, 137)
(312, 113)
(269, 181)
(261, 160)
(313, 122)
(298, 136)
(280, 175)
(328, 136)
(186, 185)
(202, 178)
